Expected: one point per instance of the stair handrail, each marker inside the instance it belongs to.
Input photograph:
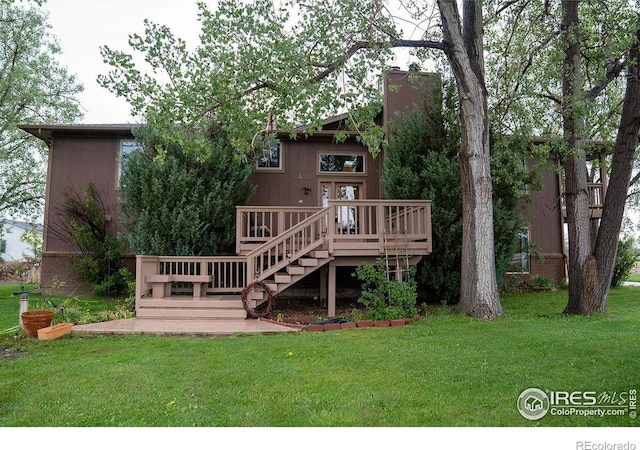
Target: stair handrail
(280, 240)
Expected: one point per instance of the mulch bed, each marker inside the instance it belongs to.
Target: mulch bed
(309, 310)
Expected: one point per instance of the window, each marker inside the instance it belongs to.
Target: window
(3, 246)
(271, 158)
(126, 147)
(520, 261)
(337, 163)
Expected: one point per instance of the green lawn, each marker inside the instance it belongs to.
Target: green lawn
(440, 371)
(635, 277)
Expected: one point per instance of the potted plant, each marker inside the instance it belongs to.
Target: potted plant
(38, 322)
(36, 319)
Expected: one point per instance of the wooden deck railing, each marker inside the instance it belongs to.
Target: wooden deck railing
(255, 225)
(286, 248)
(596, 199)
(372, 227)
(344, 228)
(225, 274)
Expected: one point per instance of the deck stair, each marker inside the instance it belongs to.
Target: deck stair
(293, 273)
(176, 307)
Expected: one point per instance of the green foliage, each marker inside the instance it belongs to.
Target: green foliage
(526, 56)
(386, 299)
(178, 196)
(33, 239)
(542, 282)
(421, 162)
(34, 88)
(249, 66)
(84, 224)
(626, 258)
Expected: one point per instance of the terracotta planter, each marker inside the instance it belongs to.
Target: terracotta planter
(35, 320)
(54, 331)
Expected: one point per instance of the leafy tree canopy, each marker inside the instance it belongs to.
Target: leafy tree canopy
(256, 60)
(526, 52)
(34, 88)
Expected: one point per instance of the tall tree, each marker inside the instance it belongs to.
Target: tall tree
(170, 192)
(421, 161)
(575, 63)
(304, 60)
(34, 88)
(464, 48)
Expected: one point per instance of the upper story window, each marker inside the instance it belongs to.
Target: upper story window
(271, 157)
(341, 163)
(127, 146)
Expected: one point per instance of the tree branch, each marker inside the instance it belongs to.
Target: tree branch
(329, 68)
(614, 68)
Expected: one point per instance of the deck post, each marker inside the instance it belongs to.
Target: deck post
(323, 284)
(381, 227)
(331, 300)
(239, 228)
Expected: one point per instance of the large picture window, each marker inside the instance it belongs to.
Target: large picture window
(127, 146)
(341, 163)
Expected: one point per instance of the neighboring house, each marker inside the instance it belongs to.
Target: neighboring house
(12, 247)
(295, 180)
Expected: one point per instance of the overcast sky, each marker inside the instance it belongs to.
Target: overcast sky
(82, 26)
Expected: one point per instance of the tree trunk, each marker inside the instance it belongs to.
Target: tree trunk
(591, 265)
(582, 268)
(479, 291)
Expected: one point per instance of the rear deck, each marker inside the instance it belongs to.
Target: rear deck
(277, 247)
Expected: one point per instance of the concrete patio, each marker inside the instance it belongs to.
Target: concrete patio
(188, 327)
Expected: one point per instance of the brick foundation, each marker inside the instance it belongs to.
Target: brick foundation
(551, 266)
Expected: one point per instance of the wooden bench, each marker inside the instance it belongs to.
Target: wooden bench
(161, 284)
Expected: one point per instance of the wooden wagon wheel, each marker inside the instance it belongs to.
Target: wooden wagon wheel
(245, 301)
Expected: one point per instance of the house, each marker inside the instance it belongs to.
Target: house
(543, 246)
(316, 211)
(12, 245)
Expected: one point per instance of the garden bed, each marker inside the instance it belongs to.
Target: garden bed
(311, 315)
(311, 310)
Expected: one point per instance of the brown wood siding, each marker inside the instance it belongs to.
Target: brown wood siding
(300, 158)
(544, 215)
(405, 91)
(74, 162)
(544, 218)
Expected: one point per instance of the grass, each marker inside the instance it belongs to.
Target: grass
(78, 309)
(635, 277)
(443, 370)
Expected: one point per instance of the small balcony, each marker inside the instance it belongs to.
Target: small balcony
(596, 200)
